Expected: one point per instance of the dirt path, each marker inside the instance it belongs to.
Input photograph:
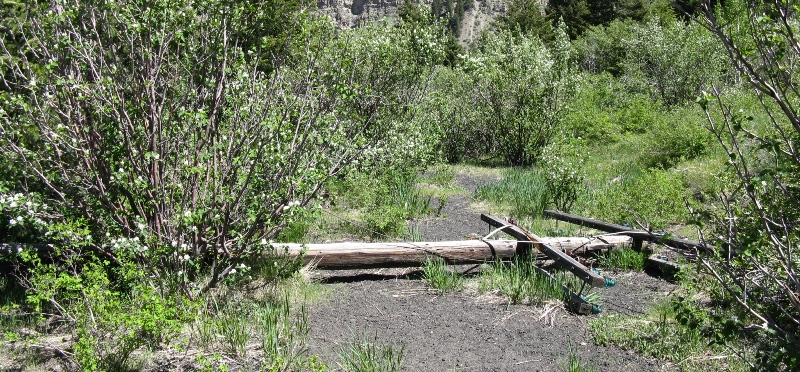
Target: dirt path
(463, 331)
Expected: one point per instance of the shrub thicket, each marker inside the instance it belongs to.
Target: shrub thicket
(756, 216)
(160, 148)
(505, 100)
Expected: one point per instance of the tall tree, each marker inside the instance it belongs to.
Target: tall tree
(527, 17)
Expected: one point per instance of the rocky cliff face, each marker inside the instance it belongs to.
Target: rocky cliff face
(355, 13)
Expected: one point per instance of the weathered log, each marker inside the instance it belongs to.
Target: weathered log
(404, 254)
(582, 246)
(370, 255)
(461, 251)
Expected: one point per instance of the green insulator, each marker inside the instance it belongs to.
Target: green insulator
(596, 309)
(610, 282)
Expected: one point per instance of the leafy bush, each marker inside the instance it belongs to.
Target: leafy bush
(448, 108)
(675, 60)
(665, 58)
(522, 89)
(675, 137)
(505, 100)
(385, 201)
(108, 320)
(600, 48)
(754, 217)
(158, 150)
(591, 114)
(181, 141)
(562, 168)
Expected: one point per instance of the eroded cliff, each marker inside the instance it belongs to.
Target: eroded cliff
(355, 13)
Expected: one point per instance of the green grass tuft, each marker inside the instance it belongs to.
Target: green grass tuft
(521, 282)
(622, 259)
(236, 325)
(575, 364)
(436, 274)
(364, 356)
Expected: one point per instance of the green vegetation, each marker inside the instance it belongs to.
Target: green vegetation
(438, 277)
(521, 193)
(662, 334)
(574, 363)
(521, 282)
(161, 148)
(623, 259)
(365, 356)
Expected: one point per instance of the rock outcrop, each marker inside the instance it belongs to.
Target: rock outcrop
(355, 13)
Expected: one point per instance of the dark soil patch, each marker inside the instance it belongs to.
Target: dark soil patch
(460, 219)
(460, 332)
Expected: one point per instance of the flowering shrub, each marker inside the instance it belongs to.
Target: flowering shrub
(673, 61)
(159, 156)
(562, 168)
(519, 88)
(180, 152)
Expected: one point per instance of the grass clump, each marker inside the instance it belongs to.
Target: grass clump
(521, 282)
(521, 192)
(575, 364)
(660, 335)
(365, 356)
(441, 175)
(651, 199)
(436, 274)
(267, 333)
(625, 259)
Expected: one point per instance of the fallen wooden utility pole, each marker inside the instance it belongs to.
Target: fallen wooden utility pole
(404, 254)
(667, 267)
(636, 234)
(362, 255)
(371, 255)
(577, 246)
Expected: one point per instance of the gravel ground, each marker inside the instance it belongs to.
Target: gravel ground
(459, 331)
(467, 331)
